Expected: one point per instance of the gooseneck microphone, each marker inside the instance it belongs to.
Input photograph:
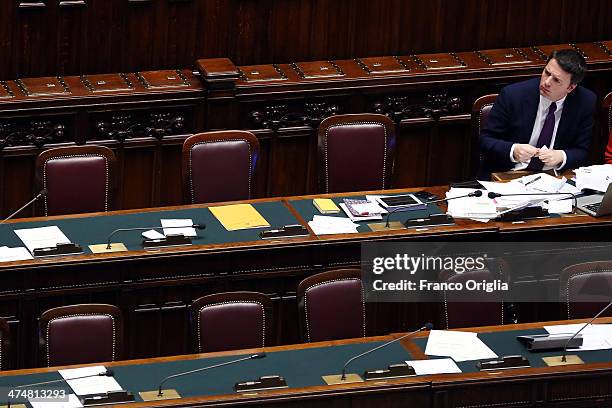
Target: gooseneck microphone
(108, 373)
(108, 240)
(427, 326)
(476, 193)
(495, 195)
(160, 393)
(42, 193)
(564, 357)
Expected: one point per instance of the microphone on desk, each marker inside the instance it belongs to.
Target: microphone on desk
(519, 212)
(477, 193)
(563, 360)
(393, 371)
(160, 393)
(169, 240)
(40, 194)
(496, 195)
(108, 398)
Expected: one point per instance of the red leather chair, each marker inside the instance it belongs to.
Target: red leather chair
(231, 321)
(219, 166)
(480, 113)
(80, 334)
(78, 179)
(356, 152)
(472, 308)
(5, 345)
(586, 288)
(331, 306)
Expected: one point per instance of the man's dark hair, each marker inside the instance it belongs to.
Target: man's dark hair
(571, 62)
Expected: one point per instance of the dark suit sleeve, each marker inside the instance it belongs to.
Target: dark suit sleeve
(495, 137)
(578, 152)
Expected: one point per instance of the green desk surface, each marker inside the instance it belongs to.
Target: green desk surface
(505, 344)
(307, 210)
(300, 368)
(95, 230)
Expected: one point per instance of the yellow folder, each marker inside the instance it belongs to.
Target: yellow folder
(239, 216)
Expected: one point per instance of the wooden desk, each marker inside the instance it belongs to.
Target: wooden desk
(578, 385)
(154, 288)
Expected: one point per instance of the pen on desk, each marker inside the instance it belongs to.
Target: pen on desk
(533, 180)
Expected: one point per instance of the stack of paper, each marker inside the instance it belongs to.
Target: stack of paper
(362, 210)
(434, 366)
(322, 225)
(239, 216)
(458, 345)
(596, 177)
(179, 227)
(478, 208)
(594, 336)
(43, 237)
(94, 383)
(14, 254)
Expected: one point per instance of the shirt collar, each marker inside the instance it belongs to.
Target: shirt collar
(545, 103)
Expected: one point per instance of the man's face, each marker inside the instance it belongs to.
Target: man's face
(555, 82)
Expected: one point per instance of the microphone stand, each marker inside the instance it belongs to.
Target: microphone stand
(42, 193)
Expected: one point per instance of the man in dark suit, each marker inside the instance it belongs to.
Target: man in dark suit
(541, 124)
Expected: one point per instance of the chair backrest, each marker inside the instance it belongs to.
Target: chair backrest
(356, 152)
(80, 334)
(231, 321)
(586, 288)
(5, 345)
(480, 113)
(332, 306)
(472, 308)
(219, 166)
(607, 125)
(607, 107)
(78, 179)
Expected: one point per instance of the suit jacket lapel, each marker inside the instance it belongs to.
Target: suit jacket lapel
(530, 110)
(567, 116)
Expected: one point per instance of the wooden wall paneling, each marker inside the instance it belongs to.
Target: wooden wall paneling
(170, 171)
(139, 181)
(263, 170)
(214, 25)
(378, 30)
(140, 36)
(174, 322)
(249, 33)
(18, 179)
(182, 33)
(291, 155)
(333, 25)
(104, 37)
(413, 149)
(7, 19)
(35, 41)
(449, 158)
(72, 50)
(293, 41)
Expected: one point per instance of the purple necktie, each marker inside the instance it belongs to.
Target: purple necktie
(545, 137)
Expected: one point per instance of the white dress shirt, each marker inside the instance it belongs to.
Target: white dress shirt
(543, 107)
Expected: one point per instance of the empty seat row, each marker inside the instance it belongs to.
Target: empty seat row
(331, 307)
(356, 153)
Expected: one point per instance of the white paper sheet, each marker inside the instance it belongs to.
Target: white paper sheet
(434, 366)
(594, 336)
(97, 384)
(596, 177)
(43, 237)
(323, 225)
(73, 402)
(179, 227)
(14, 254)
(152, 234)
(460, 346)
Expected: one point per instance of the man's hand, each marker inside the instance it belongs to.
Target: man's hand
(524, 152)
(551, 157)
